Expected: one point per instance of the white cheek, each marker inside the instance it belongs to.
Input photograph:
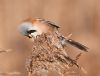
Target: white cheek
(35, 34)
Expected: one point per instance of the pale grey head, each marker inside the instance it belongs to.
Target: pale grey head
(26, 28)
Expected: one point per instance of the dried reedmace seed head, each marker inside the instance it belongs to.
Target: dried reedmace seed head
(49, 54)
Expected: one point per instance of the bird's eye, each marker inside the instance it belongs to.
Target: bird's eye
(31, 31)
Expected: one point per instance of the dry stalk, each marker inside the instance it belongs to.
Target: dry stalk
(9, 73)
(3, 50)
(49, 55)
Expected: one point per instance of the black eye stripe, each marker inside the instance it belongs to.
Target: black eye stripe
(31, 31)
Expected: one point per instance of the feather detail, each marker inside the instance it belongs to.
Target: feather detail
(77, 44)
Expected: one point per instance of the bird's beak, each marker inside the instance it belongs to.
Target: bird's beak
(29, 36)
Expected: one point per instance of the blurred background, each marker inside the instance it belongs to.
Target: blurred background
(79, 17)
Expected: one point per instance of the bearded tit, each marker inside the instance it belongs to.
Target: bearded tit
(34, 27)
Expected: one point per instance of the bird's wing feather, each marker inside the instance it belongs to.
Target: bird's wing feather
(53, 24)
(48, 22)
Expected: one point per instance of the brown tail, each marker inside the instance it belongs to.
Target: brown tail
(77, 44)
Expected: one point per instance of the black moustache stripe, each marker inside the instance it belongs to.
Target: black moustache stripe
(31, 31)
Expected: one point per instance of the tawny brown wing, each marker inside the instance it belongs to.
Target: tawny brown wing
(48, 22)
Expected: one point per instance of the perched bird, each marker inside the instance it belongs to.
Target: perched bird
(34, 27)
(48, 45)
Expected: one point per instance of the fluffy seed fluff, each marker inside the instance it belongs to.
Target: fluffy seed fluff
(48, 54)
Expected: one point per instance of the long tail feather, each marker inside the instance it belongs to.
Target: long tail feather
(77, 44)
